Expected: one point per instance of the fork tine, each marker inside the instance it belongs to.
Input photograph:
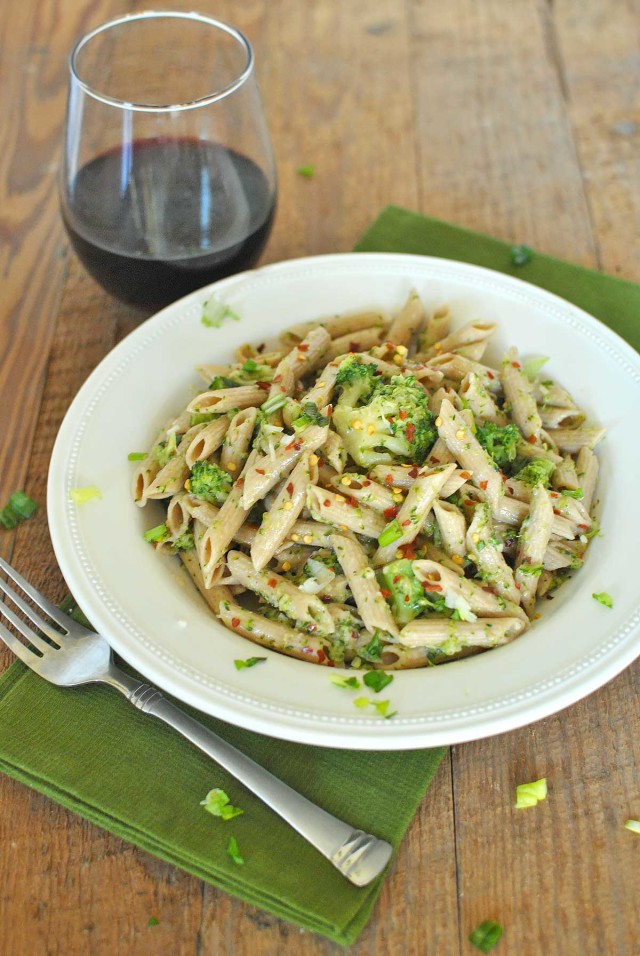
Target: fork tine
(25, 630)
(30, 612)
(47, 606)
(26, 656)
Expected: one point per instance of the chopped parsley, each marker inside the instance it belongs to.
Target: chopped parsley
(576, 493)
(80, 495)
(184, 542)
(214, 312)
(306, 171)
(603, 598)
(249, 662)
(153, 921)
(486, 935)
(217, 804)
(377, 680)
(534, 569)
(233, 851)
(136, 456)
(373, 649)
(18, 508)
(310, 416)
(220, 381)
(529, 794)
(521, 255)
(199, 418)
(347, 682)
(361, 702)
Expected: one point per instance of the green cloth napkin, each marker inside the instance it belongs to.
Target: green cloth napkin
(92, 752)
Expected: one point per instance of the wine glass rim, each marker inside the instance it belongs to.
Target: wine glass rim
(212, 97)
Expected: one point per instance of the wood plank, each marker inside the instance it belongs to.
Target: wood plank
(495, 147)
(597, 41)
(36, 38)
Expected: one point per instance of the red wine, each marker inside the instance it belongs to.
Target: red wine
(162, 217)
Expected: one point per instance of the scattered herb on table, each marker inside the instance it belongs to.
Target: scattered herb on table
(529, 794)
(18, 508)
(486, 935)
(233, 851)
(136, 456)
(521, 255)
(249, 662)
(217, 804)
(153, 921)
(603, 598)
(348, 682)
(307, 171)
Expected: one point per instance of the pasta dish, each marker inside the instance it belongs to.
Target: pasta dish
(371, 494)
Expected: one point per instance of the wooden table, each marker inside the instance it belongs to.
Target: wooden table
(517, 117)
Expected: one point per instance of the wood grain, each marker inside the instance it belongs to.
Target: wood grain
(520, 119)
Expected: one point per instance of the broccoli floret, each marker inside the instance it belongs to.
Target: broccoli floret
(538, 471)
(403, 591)
(499, 443)
(210, 482)
(394, 423)
(310, 416)
(354, 382)
(185, 542)
(220, 381)
(166, 449)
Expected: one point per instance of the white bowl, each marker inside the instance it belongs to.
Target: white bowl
(152, 616)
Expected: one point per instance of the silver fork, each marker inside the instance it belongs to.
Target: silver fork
(80, 656)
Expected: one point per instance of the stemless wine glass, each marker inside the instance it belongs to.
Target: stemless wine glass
(168, 179)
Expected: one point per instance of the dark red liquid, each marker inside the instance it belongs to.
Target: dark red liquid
(167, 216)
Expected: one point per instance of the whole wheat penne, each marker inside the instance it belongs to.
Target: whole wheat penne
(565, 476)
(278, 521)
(266, 470)
(237, 441)
(358, 341)
(413, 513)
(225, 525)
(171, 478)
(573, 439)
(480, 400)
(518, 391)
(281, 593)
(484, 549)
(224, 399)
(336, 326)
(587, 470)
(407, 321)
(462, 443)
(453, 527)
(457, 367)
(372, 607)
(452, 636)
(370, 493)
(208, 440)
(213, 595)
(532, 544)
(273, 634)
(470, 332)
(481, 600)
(333, 508)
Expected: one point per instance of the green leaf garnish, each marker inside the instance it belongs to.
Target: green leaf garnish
(361, 702)
(486, 935)
(136, 456)
(159, 533)
(310, 416)
(348, 682)
(382, 706)
(528, 794)
(217, 804)
(18, 508)
(521, 255)
(153, 921)
(81, 495)
(392, 532)
(603, 598)
(533, 366)
(234, 852)
(633, 825)
(221, 381)
(307, 171)
(214, 312)
(274, 403)
(377, 680)
(249, 662)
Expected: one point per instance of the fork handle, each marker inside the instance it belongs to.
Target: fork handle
(359, 856)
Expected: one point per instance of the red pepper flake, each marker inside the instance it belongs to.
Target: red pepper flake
(433, 460)
(531, 439)
(283, 389)
(235, 622)
(429, 586)
(396, 579)
(402, 414)
(509, 489)
(405, 524)
(297, 445)
(290, 487)
(365, 484)
(385, 594)
(290, 445)
(389, 418)
(583, 526)
(490, 375)
(483, 485)
(259, 471)
(352, 502)
(277, 379)
(556, 512)
(321, 657)
(354, 346)
(408, 552)
(264, 386)
(390, 513)
(515, 364)
(272, 582)
(329, 410)
(503, 476)
(406, 598)
(410, 431)
(303, 348)
(413, 472)
(320, 462)
(326, 503)
(470, 503)
(239, 483)
(465, 474)
(518, 586)
(388, 479)
(331, 664)
(549, 597)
